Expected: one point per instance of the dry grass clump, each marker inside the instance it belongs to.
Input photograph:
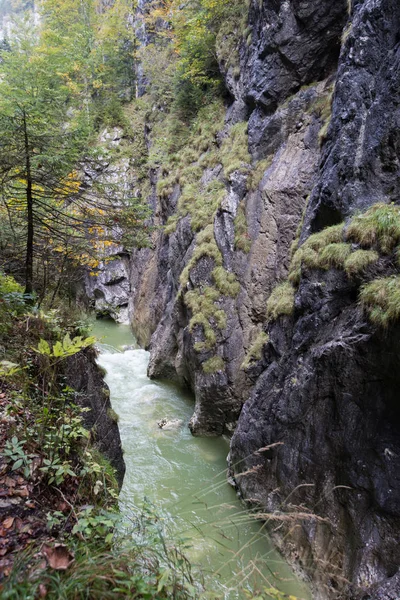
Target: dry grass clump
(281, 301)
(234, 154)
(381, 300)
(379, 226)
(303, 255)
(257, 173)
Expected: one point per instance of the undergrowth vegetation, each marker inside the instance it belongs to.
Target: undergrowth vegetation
(61, 533)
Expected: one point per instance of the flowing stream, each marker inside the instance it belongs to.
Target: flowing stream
(185, 477)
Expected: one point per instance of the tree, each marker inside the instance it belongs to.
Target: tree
(41, 141)
(46, 150)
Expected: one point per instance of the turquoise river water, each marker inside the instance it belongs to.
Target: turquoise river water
(185, 477)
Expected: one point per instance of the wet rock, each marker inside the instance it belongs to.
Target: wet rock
(84, 376)
(170, 424)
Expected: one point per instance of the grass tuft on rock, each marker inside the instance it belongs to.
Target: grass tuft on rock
(281, 301)
(334, 255)
(258, 172)
(234, 154)
(242, 238)
(226, 282)
(213, 365)
(378, 226)
(381, 299)
(356, 263)
(255, 352)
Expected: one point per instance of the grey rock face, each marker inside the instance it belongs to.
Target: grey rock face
(360, 162)
(110, 290)
(318, 435)
(326, 398)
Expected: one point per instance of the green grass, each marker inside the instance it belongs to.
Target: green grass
(257, 173)
(255, 352)
(378, 227)
(281, 301)
(329, 235)
(242, 238)
(213, 365)
(234, 154)
(381, 300)
(314, 254)
(334, 255)
(226, 283)
(356, 263)
(207, 314)
(304, 255)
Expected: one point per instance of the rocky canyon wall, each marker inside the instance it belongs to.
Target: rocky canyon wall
(307, 145)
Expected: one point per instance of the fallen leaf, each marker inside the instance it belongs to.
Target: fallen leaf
(22, 492)
(42, 591)
(8, 523)
(30, 504)
(58, 556)
(3, 551)
(10, 482)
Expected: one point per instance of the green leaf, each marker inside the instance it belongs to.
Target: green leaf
(109, 538)
(58, 349)
(163, 580)
(43, 348)
(17, 464)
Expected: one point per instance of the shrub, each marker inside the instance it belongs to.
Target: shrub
(281, 301)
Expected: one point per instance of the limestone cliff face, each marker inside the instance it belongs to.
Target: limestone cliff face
(319, 385)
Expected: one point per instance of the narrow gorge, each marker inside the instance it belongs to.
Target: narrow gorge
(271, 287)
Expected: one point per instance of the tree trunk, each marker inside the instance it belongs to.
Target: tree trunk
(29, 205)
